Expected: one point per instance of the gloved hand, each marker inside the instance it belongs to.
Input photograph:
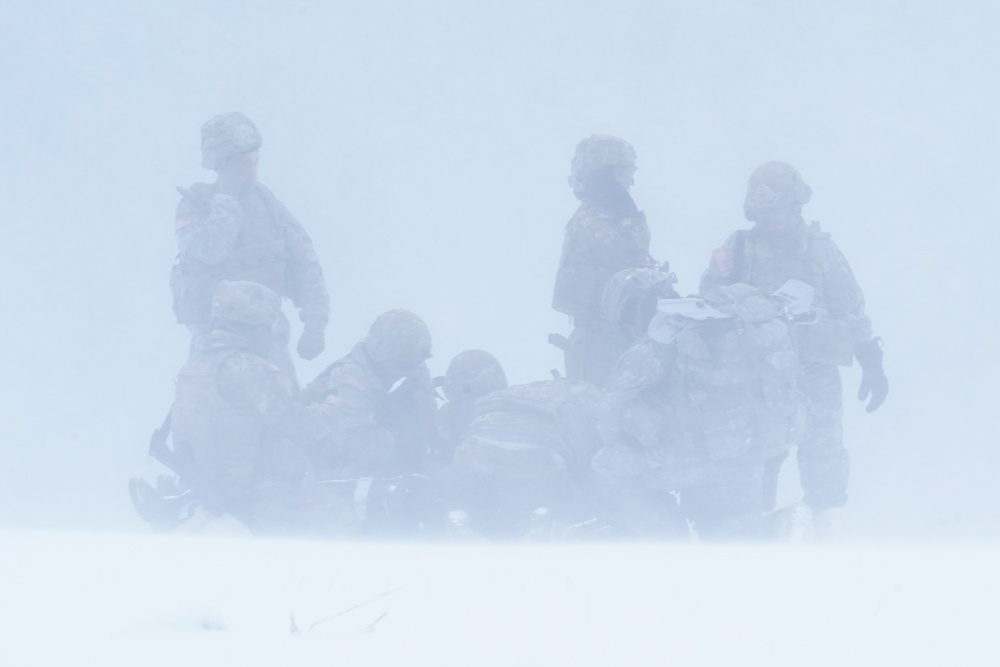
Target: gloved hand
(873, 379)
(311, 344)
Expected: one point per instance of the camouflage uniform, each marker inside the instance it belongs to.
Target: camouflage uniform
(383, 405)
(249, 236)
(766, 258)
(238, 427)
(700, 415)
(471, 374)
(606, 234)
(521, 468)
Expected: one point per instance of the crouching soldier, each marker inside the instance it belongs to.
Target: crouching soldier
(694, 412)
(521, 465)
(240, 435)
(383, 404)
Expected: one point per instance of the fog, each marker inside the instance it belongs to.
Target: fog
(425, 147)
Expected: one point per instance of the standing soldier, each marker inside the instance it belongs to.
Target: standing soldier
(606, 235)
(779, 247)
(236, 229)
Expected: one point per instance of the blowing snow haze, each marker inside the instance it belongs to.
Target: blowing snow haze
(425, 147)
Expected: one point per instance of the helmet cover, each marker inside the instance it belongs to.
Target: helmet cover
(226, 135)
(774, 185)
(471, 374)
(398, 339)
(244, 302)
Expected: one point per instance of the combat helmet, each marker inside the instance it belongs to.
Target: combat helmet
(774, 185)
(629, 298)
(471, 374)
(244, 303)
(398, 342)
(596, 153)
(226, 135)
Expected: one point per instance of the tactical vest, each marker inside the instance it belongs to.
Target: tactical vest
(768, 267)
(260, 255)
(584, 270)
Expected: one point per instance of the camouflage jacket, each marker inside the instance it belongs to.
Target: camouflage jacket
(254, 237)
(379, 429)
(597, 244)
(237, 421)
(766, 261)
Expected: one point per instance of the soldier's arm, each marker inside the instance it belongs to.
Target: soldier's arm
(304, 277)
(260, 387)
(208, 233)
(722, 267)
(843, 296)
(363, 444)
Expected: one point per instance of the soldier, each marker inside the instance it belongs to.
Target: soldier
(240, 436)
(521, 466)
(383, 403)
(781, 246)
(236, 229)
(606, 234)
(471, 374)
(693, 413)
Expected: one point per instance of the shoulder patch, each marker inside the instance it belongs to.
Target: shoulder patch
(722, 261)
(181, 223)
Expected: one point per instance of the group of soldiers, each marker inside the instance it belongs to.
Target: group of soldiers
(672, 420)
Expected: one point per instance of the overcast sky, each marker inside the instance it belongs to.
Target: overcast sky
(425, 146)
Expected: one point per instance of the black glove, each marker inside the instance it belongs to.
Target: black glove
(873, 379)
(311, 344)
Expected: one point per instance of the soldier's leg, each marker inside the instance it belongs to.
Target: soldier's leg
(730, 506)
(824, 465)
(772, 473)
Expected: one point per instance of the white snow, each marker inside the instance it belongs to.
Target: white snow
(131, 599)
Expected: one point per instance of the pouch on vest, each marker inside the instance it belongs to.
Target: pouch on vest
(825, 341)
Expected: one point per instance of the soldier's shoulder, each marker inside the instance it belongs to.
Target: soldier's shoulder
(199, 192)
(349, 372)
(195, 199)
(265, 191)
(824, 240)
(737, 237)
(586, 219)
(816, 231)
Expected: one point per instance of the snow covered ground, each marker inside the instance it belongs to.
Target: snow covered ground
(132, 599)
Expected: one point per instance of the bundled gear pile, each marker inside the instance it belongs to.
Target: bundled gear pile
(717, 388)
(525, 458)
(702, 405)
